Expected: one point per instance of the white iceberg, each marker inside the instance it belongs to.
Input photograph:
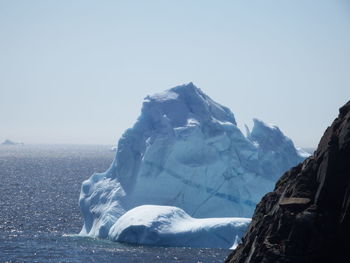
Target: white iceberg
(9, 142)
(171, 226)
(185, 150)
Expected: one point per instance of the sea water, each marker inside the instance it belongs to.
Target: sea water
(39, 213)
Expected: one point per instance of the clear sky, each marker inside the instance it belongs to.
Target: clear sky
(77, 71)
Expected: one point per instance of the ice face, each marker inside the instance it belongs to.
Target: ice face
(171, 226)
(185, 150)
(277, 152)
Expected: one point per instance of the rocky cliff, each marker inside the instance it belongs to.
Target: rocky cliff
(307, 216)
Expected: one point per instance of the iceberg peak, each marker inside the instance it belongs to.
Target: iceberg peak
(268, 136)
(173, 93)
(274, 145)
(181, 103)
(260, 123)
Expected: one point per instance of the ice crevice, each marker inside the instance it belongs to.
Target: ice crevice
(207, 199)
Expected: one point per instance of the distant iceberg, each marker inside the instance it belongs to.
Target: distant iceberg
(185, 150)
(9, 142)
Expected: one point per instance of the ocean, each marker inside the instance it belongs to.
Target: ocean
(39, 213)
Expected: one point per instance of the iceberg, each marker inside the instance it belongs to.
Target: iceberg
(171, 226)
(185, 151)
(9, 142)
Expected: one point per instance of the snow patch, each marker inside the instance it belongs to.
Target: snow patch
(303, 153)
(163, 96)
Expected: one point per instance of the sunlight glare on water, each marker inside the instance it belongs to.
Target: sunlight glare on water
(40, 218)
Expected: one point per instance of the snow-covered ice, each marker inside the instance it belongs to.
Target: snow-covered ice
(171, 226)
(185, 150)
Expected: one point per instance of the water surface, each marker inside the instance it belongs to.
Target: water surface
(39, 213)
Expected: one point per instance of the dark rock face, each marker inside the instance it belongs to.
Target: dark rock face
(307, 216)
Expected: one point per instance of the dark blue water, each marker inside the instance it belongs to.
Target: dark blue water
(39, 213)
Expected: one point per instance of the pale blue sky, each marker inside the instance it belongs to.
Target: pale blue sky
(77, 71)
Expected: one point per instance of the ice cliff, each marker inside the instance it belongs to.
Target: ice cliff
(185, 150)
